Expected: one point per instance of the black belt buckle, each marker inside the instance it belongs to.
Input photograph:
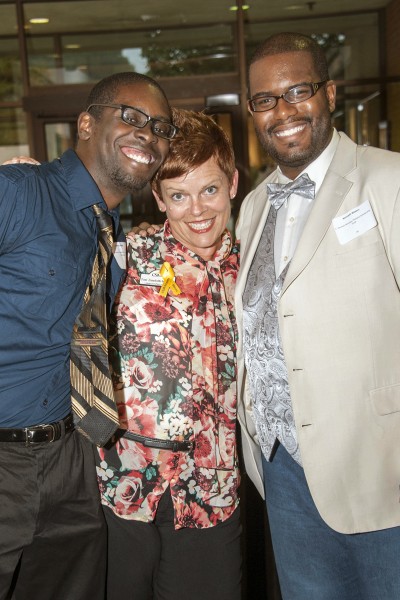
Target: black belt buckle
(30, 433)
(178, 446)
(175, 446)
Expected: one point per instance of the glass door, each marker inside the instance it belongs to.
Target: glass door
(59, 136)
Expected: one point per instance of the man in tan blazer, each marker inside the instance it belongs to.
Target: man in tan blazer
(318, 308)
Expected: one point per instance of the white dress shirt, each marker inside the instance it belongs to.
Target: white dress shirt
(293, 214)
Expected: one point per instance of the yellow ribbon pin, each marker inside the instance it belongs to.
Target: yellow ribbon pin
(167, 273)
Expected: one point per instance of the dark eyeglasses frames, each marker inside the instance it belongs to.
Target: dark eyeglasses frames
(137, 118)
(296, 93)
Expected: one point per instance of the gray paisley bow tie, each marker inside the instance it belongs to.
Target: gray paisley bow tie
(278, 193)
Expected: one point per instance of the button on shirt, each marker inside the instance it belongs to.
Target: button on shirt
(293, 214)
(48, 241)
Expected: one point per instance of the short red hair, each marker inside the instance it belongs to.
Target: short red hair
(199, 139)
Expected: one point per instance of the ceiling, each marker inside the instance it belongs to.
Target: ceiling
(116, 15)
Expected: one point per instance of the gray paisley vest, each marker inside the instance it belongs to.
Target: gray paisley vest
(264, 359)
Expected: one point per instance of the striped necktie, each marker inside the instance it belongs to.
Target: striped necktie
(92, 393)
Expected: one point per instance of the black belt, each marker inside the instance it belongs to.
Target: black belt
(49, 432)
(175, 446)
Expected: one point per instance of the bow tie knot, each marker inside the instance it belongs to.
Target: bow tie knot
(278, 193)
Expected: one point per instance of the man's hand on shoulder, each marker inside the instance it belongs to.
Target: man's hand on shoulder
(145, 229)
(21, 159)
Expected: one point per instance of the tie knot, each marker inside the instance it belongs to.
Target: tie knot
(278, 193)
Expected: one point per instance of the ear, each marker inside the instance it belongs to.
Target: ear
(85, 126)
(160, 202)
(331, 95)
(234, 184)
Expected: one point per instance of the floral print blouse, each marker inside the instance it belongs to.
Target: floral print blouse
(174, 372)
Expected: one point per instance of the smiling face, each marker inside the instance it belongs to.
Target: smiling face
(293, 134)
(122, 158)
(198, 206)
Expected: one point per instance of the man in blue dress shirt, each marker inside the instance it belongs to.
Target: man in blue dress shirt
(52, 533)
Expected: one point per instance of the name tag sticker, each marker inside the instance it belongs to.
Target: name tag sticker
(354, 223)
(120, 254)
(153, 278)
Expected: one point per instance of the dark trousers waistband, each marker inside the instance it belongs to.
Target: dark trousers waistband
(38, 434)
(174, 445)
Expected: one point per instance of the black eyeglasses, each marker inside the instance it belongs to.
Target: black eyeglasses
(137, 118)
(296, 93)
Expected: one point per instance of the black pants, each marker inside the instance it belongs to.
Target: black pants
(52, 528)
(153, 561)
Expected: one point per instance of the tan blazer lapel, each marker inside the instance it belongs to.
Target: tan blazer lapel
(255, 230)
(325, 208)
(251, 230)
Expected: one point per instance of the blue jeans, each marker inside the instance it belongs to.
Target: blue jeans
(313, 561)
